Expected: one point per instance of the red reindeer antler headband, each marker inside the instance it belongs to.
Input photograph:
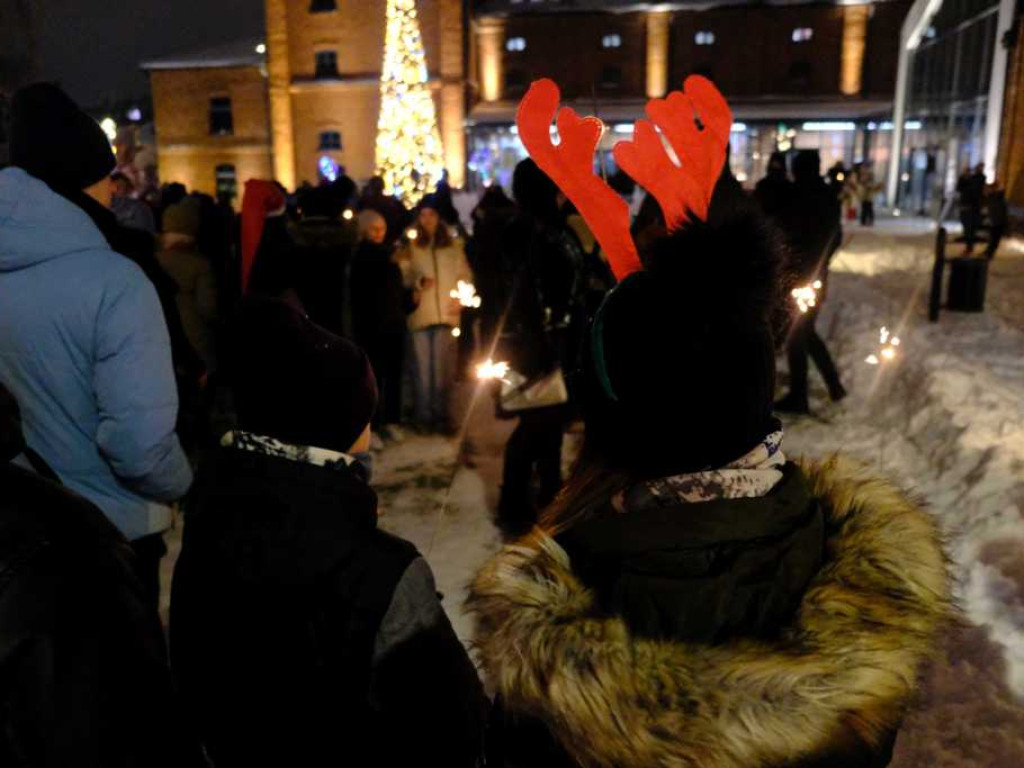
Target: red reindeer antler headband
(696, 123)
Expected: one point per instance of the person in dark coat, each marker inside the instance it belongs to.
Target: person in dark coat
(82, 656)
(813, 229)
(380, 305)
(693, 597)
(970, 189)
(542, 268)
(302, 634)
(323, 258)
(774, 193)
(491, 217)
(388, 206)
(998, 218)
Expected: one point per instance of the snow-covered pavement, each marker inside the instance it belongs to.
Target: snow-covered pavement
(945, 419)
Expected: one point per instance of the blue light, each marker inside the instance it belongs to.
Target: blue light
(328, 169)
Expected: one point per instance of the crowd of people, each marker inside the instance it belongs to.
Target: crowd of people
(687, 596)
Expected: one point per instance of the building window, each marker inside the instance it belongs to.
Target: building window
(515, 44)
(611, 41)
(227, 183)
(221, 121)
(322, 6)
(330, 140)
(802, 34)
(931, 32)
(611, 78)
(326, 65)
(800, 75)
(515, 80)
(704, 37)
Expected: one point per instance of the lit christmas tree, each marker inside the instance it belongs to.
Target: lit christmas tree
(408, 142)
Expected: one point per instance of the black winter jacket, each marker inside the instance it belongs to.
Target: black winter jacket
(303, 635)
(84, 680)
(780, 632)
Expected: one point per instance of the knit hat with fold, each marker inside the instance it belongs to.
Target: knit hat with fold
(55, 141)
(678, 368)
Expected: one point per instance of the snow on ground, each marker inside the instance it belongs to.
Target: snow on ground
(946, 420)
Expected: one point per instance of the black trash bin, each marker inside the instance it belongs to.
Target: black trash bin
(967, 281)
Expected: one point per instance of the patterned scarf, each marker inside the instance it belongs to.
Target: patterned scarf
(304, 454)
(750, 477)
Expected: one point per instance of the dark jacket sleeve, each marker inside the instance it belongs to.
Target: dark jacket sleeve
(424, 683)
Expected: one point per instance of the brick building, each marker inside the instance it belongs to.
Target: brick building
(275, 107)
(806, 75)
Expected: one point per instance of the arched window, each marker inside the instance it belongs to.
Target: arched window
(704, 37)
(611, 41)
(322, 6)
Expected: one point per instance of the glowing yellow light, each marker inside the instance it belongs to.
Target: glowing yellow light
(109, 127)
(871, 360)
(895, 341)
(491, 371)
(261, 48)
(409, 153)
(456, 332)
(840, 177)
(348, 215)
(806, 296)
(888, 353)
(411, 233)
(466, 294)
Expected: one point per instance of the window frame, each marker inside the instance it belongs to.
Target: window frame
(217, 114)
(335, 74)
(331, 146)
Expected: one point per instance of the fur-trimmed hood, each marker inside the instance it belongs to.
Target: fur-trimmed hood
(846, 667)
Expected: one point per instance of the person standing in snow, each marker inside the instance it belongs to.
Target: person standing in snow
(433, 264)
(813, 230)
(302, 634)
(693, 597)
(380, 304)
(970, 189)
(544, 274)
(83, 343)
(774, 193)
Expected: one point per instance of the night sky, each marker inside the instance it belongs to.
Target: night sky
(93, 47)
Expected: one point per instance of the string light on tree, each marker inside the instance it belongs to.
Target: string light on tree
(409, 156)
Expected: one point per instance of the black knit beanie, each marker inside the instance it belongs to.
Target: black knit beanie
(55, 141)
(295, 381)
(11, 441)
(678, 373)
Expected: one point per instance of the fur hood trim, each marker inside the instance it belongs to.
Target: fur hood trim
(848, 665)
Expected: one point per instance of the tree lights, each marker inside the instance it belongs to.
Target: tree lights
(409, 155)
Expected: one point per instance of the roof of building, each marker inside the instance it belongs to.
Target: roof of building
(241, 53)
(508, 7)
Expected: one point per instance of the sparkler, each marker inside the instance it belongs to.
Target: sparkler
(889, 344)
(806, 296)
(466, 294)
(492, 371)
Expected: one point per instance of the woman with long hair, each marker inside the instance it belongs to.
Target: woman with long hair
(433, 264)
(693, 597)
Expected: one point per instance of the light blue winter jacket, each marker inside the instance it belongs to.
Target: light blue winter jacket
(84, 348)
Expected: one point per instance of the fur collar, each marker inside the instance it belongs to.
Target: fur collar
(848, 665)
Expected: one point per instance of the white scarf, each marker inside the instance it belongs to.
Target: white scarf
(750, 477)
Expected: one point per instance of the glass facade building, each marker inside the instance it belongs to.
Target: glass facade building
(948, 100)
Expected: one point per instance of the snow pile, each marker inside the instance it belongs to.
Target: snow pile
(946, 420)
